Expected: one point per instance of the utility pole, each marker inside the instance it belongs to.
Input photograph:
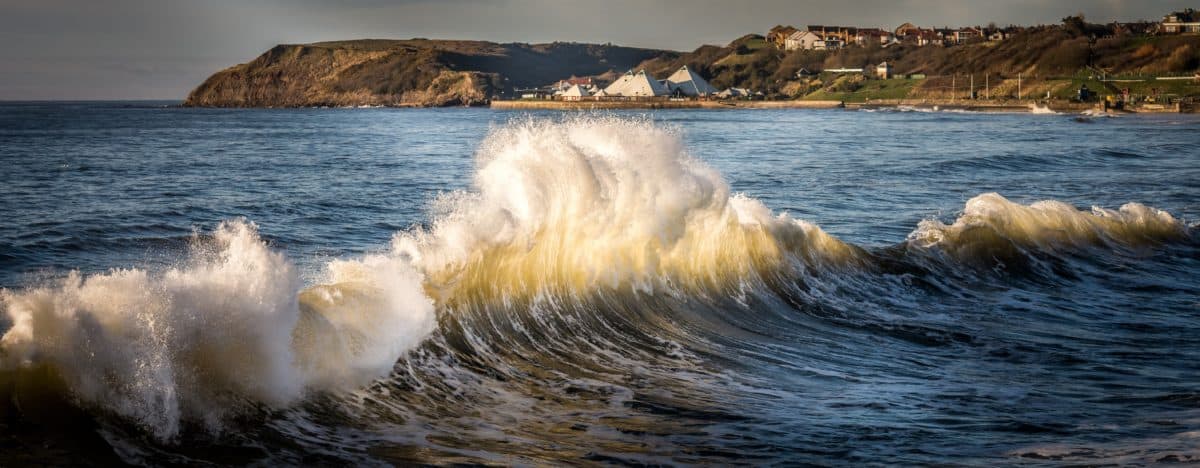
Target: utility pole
(1018, 86)
(972, 92)
(987, 86)
(954, 87)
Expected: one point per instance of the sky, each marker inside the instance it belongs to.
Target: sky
(161, 49)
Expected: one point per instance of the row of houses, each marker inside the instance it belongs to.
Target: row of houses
(820, 37)
(951, 36)
(683, 83)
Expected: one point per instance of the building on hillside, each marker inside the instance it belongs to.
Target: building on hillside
(912, 34)
(1141, 27)
(997, 35)
(884, 71)
(945, 34)
(688, 83)
(638, 84)
(906, 30)
(1136, 28)
(845, 34)
(965, 35)
(803, 40)
(873, 36)
(779, 35)
(805, 73)
(1181, 22)
(563, 85)
(830, 42)
(924, 37)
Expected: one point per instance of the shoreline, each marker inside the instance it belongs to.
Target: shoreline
(982, 106)
(600, 105)
(974, 106)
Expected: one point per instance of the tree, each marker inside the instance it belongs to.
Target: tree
(1075, 25)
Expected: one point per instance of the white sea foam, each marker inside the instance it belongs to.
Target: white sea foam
(223, 330)
(1035, 108)
(596, 201)
(1046, 225)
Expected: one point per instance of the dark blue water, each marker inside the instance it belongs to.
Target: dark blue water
(1019, 338)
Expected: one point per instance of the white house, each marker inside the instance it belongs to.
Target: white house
(802, 40)
(884, 71)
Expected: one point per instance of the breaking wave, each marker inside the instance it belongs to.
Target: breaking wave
(603, 202)
(228, 329)
(557, 208)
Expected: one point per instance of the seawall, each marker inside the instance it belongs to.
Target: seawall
(1012, 105)
(589, 105)
(978, 105)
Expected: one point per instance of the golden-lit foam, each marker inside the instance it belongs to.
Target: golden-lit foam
(601, 202)
(990, 220)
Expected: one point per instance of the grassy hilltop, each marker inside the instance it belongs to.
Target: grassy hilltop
(1049, 58)
(1054, 59)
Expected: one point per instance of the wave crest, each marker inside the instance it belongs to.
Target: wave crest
(220, 333)
(602, 202)
(993, 228)
(1050, 224)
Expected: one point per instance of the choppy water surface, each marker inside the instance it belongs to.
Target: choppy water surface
(334, 286)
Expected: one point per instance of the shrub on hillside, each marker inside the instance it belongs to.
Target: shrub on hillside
(1183, 59)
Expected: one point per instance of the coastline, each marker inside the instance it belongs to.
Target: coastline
(600, 105)
(985, 106)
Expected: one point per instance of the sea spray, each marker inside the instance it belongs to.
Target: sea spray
(355, 325)
(222, 332)
(603, 202)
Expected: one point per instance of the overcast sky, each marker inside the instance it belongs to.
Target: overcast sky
(161, 49)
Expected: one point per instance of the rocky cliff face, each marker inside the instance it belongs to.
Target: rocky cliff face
(317, 75)
(403, 73)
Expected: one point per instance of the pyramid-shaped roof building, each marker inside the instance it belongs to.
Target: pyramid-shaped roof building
(637, 84)
(576, 91)
(689, 83)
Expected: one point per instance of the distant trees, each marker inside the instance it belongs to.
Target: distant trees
(1078, 26)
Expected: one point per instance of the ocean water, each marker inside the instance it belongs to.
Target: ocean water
(446, 286)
